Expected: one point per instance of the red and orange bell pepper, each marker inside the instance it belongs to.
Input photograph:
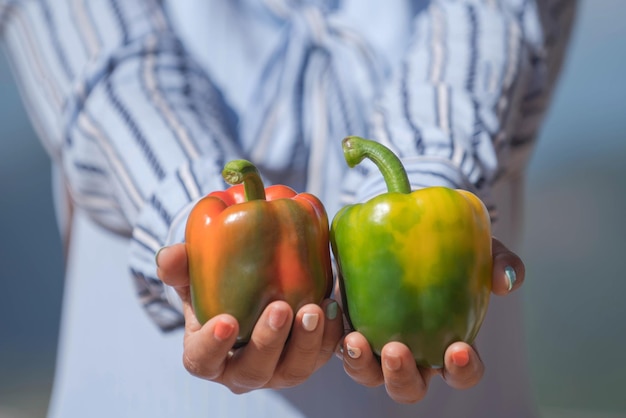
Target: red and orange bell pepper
(249, 245)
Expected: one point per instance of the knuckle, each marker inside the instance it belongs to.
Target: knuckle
(371, 383)
(359, 368)
(366, 379)
(405, 392)
(409, 398)
(293, 377)
(465, 380)
(248, 379)
(326, 352)
(238, 390)
(267, 348)
(194, 367)
(307, 351)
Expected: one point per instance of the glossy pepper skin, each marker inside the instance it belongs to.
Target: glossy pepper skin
(414, 267)
(248, 246)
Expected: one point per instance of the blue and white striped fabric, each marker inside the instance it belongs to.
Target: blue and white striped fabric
(141, 102)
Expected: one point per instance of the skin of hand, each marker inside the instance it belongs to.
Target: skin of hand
(272, 361)
(396, 369)
(283, 351)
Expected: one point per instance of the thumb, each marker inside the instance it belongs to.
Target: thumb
(172, 269)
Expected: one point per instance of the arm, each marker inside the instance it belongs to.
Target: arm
(138, 127)
(462, 111)
(142, 132)
(466, 102)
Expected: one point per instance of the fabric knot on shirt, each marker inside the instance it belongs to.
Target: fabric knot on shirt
(283, 9)
(316, 88)
(310, 17)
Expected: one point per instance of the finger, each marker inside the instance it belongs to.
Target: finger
(508, 269)
(359, 361)
(301, 353)
(191, 321)
(403, 380)
(333, 331)
(172, 266)
(206, 350)
(463, 367)
(253, 365)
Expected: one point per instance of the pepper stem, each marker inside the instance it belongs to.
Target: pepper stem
(243, 171)
(355, 149)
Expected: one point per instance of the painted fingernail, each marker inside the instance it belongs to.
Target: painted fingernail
(511, 277)
(156, 256)
(309, 321)
(353, 352)
(331, 310)
(223, 331)
(277, 318)
(460, 358)
(393, 363)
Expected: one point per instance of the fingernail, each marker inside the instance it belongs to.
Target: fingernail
(331, 310)
(353, 352)
(339, 351)
(309, 321)
(460, 358)
(156, 256)
(511, 277)
(277, 319)
(393, 363)
(223, 331)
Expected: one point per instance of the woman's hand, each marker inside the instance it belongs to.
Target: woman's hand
(396, 369)
(283, 350)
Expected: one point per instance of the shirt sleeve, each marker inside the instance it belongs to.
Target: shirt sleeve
(137, 125)
(467, 87)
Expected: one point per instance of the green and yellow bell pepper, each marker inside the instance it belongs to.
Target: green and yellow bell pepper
(414, 267)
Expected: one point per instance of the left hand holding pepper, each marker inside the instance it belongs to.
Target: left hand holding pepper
(269, 360)
(407, 383)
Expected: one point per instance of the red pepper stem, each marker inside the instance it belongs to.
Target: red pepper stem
(355, 149)
(243, 171)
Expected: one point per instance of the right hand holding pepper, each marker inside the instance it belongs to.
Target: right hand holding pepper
(269, 360)
(396, 369)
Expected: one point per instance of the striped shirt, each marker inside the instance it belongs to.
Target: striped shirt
(142, 102)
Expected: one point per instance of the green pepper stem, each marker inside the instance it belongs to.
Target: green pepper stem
(243, 171)
(355, 149)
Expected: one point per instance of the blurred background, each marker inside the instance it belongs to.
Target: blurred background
(574, 244)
